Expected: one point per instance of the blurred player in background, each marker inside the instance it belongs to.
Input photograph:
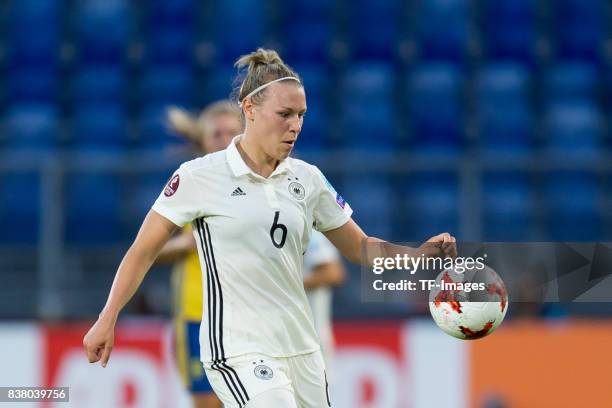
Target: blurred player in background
(323, 270)
(209, 132)
(253, 208)
(212, 130)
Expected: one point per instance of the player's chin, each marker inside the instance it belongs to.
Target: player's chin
(285, 150)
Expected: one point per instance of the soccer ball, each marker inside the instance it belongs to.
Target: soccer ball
(468, 305)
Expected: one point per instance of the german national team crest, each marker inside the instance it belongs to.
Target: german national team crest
(297, 190)
(264, 372)
(172, 186)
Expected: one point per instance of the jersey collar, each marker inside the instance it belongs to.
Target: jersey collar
(240, 168)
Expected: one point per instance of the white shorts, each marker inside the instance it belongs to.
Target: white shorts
(254, 380)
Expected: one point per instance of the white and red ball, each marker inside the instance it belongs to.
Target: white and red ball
(472, 314)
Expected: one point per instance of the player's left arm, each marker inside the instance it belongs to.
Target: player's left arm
(359, 248)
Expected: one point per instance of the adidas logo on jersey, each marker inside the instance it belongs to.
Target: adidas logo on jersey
(238, 192)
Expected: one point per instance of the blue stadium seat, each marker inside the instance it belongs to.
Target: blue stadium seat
(571, 80)
(219, 82)
(307, 40)
(34, 9)
(26, 49)
(234, 15)
(175, 12)
(170, 32)
(504, 115)
(315, 134)
(368, 108)
(572, 206)
(100, 84)
(309, 10)
(507, 207)
(503, 82)
(168, 84)
(32, 85)
(19, 208)
(92, 221)
(316, 78)
(99, 125)
(142, 196)
(34, 48)
(32, 126)
(442, 29)
(574, 131)
(436, 108)
(579, 29)
(367, 80)
(431, 205)
(374, 30)
(506, 131)
(154, 130)
(103, 29)
(509, 30)
(372, 200)
(307, 30)
(170, 45)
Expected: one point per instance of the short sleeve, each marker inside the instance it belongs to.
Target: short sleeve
(330, 211)
(179, 201)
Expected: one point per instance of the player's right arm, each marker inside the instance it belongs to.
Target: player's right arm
(154, 233)
(178, 204)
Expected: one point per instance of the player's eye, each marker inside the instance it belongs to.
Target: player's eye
(284, 114)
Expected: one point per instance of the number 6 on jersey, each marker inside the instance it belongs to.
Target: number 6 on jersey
(276, 225)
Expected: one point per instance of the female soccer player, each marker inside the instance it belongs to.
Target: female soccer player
(210, 132)
(252, 208)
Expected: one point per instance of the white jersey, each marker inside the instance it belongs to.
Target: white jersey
(251, 234)
(320, 251)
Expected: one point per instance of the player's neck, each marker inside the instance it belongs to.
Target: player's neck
(255, 158)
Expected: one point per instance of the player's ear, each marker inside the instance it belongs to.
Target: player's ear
(247, 107)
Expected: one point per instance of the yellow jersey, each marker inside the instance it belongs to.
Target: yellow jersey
(187, 285)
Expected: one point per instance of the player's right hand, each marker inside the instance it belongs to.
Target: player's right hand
(98, 341)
